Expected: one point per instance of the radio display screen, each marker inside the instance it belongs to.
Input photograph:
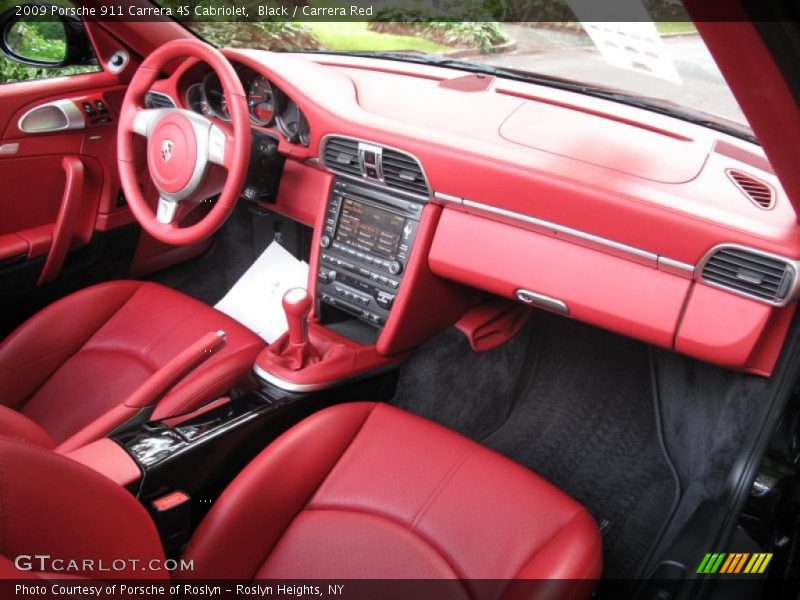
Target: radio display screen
(369, 229)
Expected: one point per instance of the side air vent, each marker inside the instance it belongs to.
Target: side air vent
(759, 192)
(158, 100)
(341, 156)
(403, 172)
(750, 273)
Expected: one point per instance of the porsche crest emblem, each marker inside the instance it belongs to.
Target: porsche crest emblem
(166, 150)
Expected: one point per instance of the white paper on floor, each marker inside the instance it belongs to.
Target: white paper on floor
(255, 300)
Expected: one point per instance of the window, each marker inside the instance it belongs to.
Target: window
(660, 62)
(42, 40)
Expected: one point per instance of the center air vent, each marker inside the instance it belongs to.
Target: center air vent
(403, 172)
(341, 156)
(750, 273)
(759, 192)
(383, 166)
(158, 100)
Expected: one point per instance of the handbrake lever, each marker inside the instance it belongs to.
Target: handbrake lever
(159, 383)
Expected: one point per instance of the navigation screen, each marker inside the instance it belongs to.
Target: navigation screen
(369, 229)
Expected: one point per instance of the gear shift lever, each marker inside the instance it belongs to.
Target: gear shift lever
(297, 306)
(306, 348)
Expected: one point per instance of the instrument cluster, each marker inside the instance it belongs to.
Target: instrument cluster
(269, 106)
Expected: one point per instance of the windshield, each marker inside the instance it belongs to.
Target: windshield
(658, 63)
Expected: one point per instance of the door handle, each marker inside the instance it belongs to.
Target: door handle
(53, 116)
(67, 220)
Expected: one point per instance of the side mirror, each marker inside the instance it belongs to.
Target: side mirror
(35, 35)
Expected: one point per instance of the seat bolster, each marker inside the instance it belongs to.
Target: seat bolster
(55, 506)
(16, 426)
(264, 499)
(573, 554)
(38, 347)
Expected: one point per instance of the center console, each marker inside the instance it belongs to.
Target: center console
(180, 465)
(365, 247)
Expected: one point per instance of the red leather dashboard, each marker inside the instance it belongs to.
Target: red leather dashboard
(605, 207)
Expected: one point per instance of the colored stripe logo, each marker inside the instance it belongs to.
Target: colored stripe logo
(733, 563)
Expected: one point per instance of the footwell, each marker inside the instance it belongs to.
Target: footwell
(575, 404)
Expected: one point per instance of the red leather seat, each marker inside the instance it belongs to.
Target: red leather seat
(355, 491)
(65, 372)
(370, 491)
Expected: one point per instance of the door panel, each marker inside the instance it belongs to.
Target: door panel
(54, 240)
(55, 183)
(36, 206)
(31, 190)
(32, 169)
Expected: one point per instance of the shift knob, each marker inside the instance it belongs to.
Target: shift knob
(297, 305)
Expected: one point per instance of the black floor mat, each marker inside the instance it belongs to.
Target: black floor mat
(472, 393)
(573, 403)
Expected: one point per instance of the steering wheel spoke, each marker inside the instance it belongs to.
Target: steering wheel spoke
(167, 210)
(144, 120)
(217, 146)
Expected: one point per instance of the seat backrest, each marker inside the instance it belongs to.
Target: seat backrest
(51, 505)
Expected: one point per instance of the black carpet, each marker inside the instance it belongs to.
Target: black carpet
(237, 244)
(472, 393)
(707, 413)
(571, 402)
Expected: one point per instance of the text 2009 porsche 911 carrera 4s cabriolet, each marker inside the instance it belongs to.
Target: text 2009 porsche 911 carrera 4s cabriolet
(373, 312)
